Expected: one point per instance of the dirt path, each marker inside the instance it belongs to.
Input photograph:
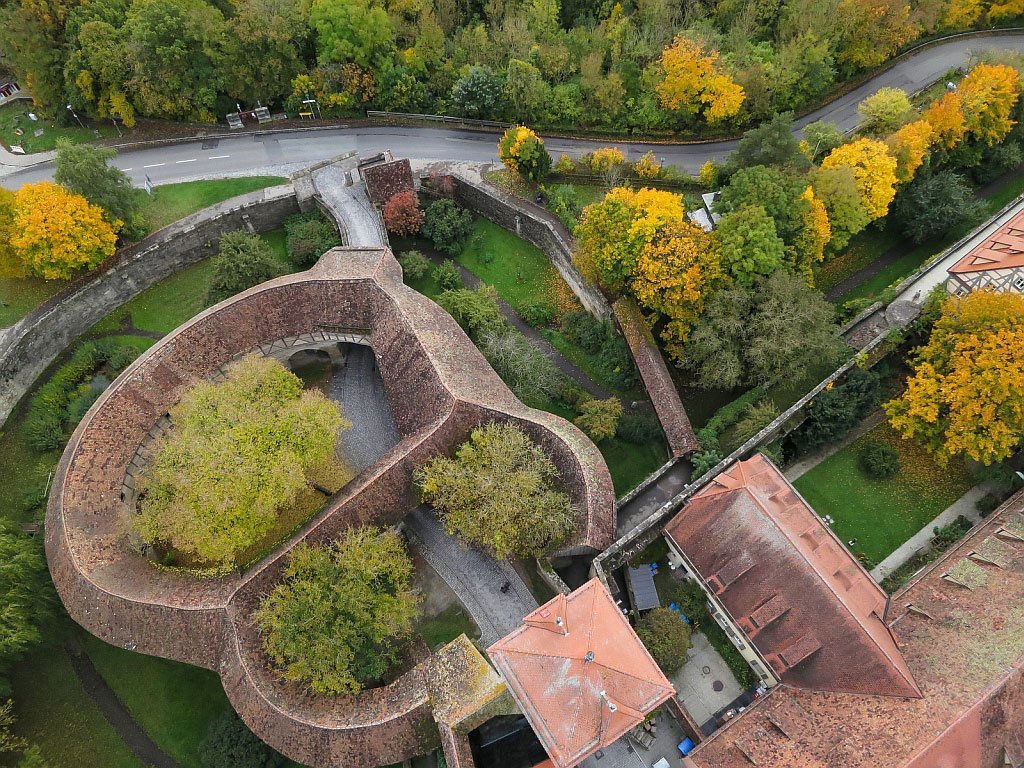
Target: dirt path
(120, 719)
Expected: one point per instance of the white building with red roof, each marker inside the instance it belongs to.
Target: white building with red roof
(996, 262)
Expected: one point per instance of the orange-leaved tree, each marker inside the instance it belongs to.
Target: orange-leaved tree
(988, 95)
(909, 146)
(692, 81)
(58, 233)
(614, 231)
(946, 117)
(966, 396)
(815, 231)
(874, 170)
(676, 272)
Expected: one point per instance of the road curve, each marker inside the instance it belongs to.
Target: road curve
(233, 155)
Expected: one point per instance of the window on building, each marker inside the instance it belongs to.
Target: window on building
(1018, 284)
(961, 292)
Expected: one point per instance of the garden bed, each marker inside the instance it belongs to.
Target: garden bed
(882, 514)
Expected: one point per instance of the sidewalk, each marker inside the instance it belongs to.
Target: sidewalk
(10, 162)
(965, 506)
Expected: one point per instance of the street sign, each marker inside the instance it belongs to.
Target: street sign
(262, 114)
(149, 186)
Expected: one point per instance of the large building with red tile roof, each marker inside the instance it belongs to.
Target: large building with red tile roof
(580, 674)
(960, 627)
(996, 262)
(796, 603)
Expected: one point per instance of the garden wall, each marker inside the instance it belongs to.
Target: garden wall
(35, 341)
(534, 225)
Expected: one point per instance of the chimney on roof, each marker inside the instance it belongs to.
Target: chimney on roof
(589, 657)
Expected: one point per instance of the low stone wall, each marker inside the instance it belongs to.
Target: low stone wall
(662, 390)
(36, 340)
(536, 226)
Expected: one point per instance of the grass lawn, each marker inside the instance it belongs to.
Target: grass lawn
(446, 626)
(630, 464)
(1002, 196)
(54, 712)
(882, 514)
(20, 295)
(519, 271)
(174, 703)
(171, 202)
(180, 297)
(15, 115)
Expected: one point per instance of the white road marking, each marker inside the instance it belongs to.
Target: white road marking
(179, 162)
(125, 170)
(154, 165)
(217, 157)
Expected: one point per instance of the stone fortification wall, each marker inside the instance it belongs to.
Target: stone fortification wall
(440, 388)
(35, 341)
(533, 224)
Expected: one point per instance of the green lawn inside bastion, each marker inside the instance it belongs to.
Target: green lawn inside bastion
(882, 514)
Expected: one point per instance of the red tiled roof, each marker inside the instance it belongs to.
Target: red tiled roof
(809, 608)
(1002, 250)
(964, 645)
(579, 673)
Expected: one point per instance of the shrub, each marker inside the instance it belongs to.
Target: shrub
(403, 215)
(879, 461)
(833, 413)
(538, 313)
(531, 376)
(447, 226)
(666, 636)
(704, 461)
(757, 416)
(599, 418)
(565, 164)
(523, 151)
(601, 160)
(639, 428)
(308, 236)
(564, 202)
(476, 311)
(987, 504)
(647, 167)
(230, 744)
(447, 275)
(336, 619)
(500, 491)
(414, 265)
(243, 261)
(584, 329)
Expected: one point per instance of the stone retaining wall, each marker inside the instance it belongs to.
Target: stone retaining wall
(536, 226)
(28, 347)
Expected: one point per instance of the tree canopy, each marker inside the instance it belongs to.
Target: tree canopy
(56, 233)
(500, 491)
(86, 171)
(337, 618)
(874, 170)
(238, 453)
(966, 395)
(776, 330)
(242, 261)
(751, 248)
(667, 638)
(523, 151)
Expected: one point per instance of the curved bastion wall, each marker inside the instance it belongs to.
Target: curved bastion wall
(439, 386)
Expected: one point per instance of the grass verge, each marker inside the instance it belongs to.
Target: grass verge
(446, 626)
(15, 116)
(171, 202)
(882, 514)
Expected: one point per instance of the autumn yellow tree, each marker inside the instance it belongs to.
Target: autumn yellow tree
(874, 170)
(966, 395)
(692, 81)
(909, 146)
(614, 231)
(57, 233)
(987, 96)
(962, 13)
(676, 272)
(604, 158)
(815, 231)
(946, 117)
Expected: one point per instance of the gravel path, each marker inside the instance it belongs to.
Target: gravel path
(359, 389)
(120, 719)
(351, 207)
(474, 577)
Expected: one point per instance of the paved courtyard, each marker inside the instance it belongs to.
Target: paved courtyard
(705, 684)
(474, 577)
(357, 386)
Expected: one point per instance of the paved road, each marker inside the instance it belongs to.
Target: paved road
(234, 155)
